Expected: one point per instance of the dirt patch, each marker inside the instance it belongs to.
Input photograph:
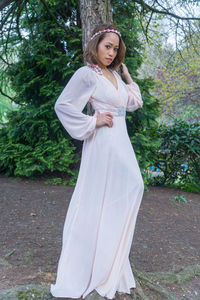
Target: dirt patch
(167, 235)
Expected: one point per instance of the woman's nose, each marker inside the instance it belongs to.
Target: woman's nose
(111, 52)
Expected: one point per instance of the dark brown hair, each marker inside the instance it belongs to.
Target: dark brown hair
(90, 54)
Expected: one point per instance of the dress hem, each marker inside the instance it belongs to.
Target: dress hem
(100, 294)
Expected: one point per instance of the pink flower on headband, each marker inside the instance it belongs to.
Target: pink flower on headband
(105, 30)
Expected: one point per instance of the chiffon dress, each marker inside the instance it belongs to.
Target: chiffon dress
(101, 216)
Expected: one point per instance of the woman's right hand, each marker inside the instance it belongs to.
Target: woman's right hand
(104, 119)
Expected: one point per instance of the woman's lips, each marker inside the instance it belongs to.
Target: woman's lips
(109, 59)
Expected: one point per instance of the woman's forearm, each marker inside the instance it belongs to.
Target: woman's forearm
(128, 79)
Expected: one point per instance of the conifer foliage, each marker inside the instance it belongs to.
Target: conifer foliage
(33, 141)
(48, 52)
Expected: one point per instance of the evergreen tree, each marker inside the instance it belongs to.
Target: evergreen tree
(34, 141)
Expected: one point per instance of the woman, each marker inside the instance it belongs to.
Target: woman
(101, 217)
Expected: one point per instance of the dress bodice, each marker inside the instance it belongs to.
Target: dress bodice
(89, 84)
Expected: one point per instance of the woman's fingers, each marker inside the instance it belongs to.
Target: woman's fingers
(108, 114)
(104, 119)
(108, 117)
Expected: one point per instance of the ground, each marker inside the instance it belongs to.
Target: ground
(167, 235)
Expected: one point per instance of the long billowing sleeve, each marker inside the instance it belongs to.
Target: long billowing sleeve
(71, 102)
(134, 97)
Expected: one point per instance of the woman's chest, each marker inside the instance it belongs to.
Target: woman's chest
(105, 92)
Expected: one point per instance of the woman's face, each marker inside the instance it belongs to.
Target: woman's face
(107, 49)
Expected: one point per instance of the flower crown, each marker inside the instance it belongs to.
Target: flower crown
(105, 30)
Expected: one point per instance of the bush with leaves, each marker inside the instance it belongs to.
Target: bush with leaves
(179, 155)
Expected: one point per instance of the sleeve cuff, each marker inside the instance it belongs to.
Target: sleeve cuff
(91, 127)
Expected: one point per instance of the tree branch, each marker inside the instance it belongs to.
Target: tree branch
(52, 15)
(19, 11)
(162, 12)
(147, 26)
(3, 94)
(3, 21)
(6, 62)
(4, 3)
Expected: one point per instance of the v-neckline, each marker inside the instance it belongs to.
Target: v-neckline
(99, 71)
(117, 89)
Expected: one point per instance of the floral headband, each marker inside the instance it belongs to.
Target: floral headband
(105, 30)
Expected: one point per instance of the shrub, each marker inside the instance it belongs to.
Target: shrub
(32, 142)
(179, 154)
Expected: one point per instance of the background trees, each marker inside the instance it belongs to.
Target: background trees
(41, 47)
(176, 74)
(46, 56)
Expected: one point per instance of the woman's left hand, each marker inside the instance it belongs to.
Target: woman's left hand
(124, 71)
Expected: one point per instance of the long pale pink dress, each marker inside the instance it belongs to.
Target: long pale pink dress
(101, 217)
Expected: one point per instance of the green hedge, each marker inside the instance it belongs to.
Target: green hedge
(32, 143)
(179, 155)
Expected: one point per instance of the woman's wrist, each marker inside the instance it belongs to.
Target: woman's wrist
(128, 78)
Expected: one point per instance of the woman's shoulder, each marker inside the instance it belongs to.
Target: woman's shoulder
(89, 69)
(85, 74)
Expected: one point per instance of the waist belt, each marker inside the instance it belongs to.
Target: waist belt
(117, 112)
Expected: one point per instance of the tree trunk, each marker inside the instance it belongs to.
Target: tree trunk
(93, 12)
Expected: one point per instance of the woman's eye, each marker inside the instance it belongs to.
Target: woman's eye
(108, 46)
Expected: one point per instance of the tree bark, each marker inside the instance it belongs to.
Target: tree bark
(93, 12)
